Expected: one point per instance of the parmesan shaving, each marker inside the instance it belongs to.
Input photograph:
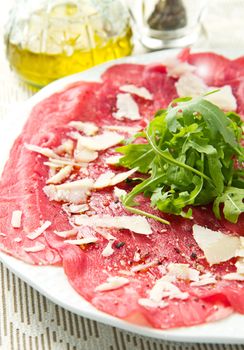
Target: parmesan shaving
(240, 252)
(112, 283)
(145, 302)
(81, 241)
(18, 239)
(66, 147)
(75, 208)
(47, 152)
(137, 224)
(223, 98)
(85, 155)
(205, 279)
(110, 179)
(2, 234)
(38, 247)
(113, 160)
(145, 266)
(104, 180)
(87, 128)
(39, 230)
(163, 289)
(122, 128)
(62, 162)
(240, 266)
(122, 176)
(75, 192)
(176, 68)
(108, 250)
(61, 175)
(217, 247)
(66, 234)
(100, 142)
(139, 91)
(105, 234)
(126, 108)
(183, 271)
(119, 193)
(192, 85)
(233, 276)
(16, 218)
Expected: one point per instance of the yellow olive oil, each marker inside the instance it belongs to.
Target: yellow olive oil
(39, 69)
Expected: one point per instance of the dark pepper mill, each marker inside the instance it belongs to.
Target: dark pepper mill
(168, 15)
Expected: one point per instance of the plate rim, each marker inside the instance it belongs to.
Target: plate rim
(176, 334)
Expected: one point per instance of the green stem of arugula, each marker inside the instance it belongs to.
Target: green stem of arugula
(144, 213)
(171, 160)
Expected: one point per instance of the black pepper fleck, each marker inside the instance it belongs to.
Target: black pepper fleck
(177, 250)
(119, 244)
(193, 256)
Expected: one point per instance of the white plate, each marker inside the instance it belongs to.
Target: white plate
(52, 282)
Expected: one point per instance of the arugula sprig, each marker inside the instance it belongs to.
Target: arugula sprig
(192, 155)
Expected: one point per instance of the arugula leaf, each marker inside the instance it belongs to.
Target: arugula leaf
(140, 156)
(215, 118)
(192, 155)
(233, 199)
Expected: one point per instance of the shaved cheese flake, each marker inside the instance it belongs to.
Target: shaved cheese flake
(16, 218)
(163, 289)
(137, 224)
(113, 160)
(145, 266)
(119, 193)
(39, 230)
(240, 253)
(137, 257)
(62, 162)
(240, 266)
(66, 234)
(112, 283)
(122, 128)
(126, 108)
(145, 302)
(38, 247)
(110, 179)
(192, 85)
(122, 176)
(86, 240)
(108, 250)
(85, 155)
(183, 271)
(18, 239)
(2, 234)
(66, 147)
(100, 142)
(139, 91)
(223, 98)
(204, 280)
(75, 192)
(87, 128)
(47, 152)
(75, 208)
(233, 276)
(176, 68)
(105, 234)
(217, 247)
(104, 180)
(63, 174)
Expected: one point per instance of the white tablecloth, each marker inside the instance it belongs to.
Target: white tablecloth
(30, 321)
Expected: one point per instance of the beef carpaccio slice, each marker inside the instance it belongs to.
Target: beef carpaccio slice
(86, 267)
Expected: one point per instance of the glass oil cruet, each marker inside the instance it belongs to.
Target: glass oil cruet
(49, 39)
